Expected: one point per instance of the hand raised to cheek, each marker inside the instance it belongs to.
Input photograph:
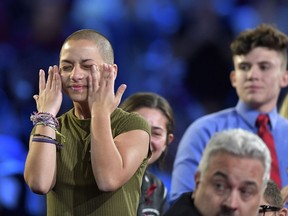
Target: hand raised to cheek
(49, 98)
(101, 83)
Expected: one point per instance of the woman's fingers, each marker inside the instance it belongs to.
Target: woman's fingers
(119, 93)
(50, 78)
(56, 81)
(41, 80)
(107, 78)
(93, 79)
(53, 80)
(50, 91)
(36, 97)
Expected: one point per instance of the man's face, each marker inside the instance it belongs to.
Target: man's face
(259, 77)
(230, 186)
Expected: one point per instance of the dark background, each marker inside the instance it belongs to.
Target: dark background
(176, 48)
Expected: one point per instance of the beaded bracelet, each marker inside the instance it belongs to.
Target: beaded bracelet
(46, 119)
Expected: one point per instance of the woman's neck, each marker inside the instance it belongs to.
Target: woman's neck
(82, 111)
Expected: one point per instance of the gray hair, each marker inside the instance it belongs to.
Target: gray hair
(240, 143)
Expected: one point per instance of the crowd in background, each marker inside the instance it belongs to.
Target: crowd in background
(176, 48)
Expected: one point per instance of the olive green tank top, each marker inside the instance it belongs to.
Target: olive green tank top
(76, 192)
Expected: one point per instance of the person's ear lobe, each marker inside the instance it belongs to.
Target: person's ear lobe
(284, 82)
(233, 78)
(284, 194)
(283, 212)
(197, 178)
(115, 67)
(170, 138)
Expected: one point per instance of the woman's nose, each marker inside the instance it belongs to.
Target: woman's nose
(77, 74)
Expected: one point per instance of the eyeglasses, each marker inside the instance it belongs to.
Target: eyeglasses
(267, 208)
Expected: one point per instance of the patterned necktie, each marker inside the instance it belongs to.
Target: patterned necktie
(263, 131)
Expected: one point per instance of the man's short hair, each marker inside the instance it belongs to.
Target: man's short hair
(272, 194)
(240, 143)
(264, 35)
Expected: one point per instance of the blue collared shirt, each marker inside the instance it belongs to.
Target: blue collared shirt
(197, 135)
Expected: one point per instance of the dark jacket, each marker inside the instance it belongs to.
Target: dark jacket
(153, 196)
(183, 206)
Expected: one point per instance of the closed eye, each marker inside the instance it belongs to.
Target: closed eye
(86, 67)
(67, 68)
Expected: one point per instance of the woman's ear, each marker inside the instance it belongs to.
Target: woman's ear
(115, 67)
(170, 138)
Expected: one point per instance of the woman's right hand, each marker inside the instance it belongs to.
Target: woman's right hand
(50, 96)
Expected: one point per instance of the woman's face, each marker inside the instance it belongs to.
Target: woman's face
(159, 139)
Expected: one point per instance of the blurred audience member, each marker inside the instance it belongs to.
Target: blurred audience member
(271, 202)
(259, 75)
(158, 112)
(230, 179)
